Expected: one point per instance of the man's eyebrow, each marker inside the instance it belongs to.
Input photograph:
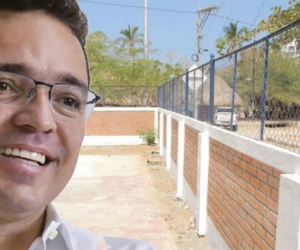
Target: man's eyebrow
(18, 68)
(69, 78)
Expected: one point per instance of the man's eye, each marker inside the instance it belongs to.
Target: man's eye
(3, 86)
(6, 86)
(70, 102)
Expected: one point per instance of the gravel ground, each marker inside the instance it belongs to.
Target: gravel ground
(175, 212)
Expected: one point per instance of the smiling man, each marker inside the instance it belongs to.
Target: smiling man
(44, 101)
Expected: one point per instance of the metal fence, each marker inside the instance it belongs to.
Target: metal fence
(260, 82)
(141, 96)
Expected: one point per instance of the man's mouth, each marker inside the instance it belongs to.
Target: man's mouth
(27, 157)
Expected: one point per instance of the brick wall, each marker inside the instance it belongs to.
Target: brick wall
(118, 123)
(174, 149)
(242, 198)
(190, 157)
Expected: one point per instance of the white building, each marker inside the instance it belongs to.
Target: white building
(291, 49)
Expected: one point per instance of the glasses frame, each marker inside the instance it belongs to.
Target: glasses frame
(50, 85)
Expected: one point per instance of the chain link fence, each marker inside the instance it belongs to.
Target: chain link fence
(259, 84)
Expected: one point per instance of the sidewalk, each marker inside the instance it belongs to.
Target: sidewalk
(114, 195)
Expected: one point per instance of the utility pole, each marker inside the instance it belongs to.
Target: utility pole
(200, 24)
(146, 29)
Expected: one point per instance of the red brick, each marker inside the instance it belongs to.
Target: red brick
(272, 204)
(255, 162)
(260, 196)
(246, 158)
(254, 181)
(260, 230)
(244, 165)
(250, 189)
(269, 227)
(266, 189)
(247, 227)
(236, 160)
(265, 246)
(263, 210)
(258, 217)
(246, 176)
(274, 182)
(274, 194)
(256, 238)
(249, 209)
(240, 201)
(242, 183)
(253, 201)
(276, 173)
(270, 241)
(266, 168)
(250, 220)
(252, 169)
(272, 218)
(238, 170)
(249, 240)
(262, 175)
(239, 154)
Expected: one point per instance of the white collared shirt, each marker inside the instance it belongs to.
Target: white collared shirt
(59, 235)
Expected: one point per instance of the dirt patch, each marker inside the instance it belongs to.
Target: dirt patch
(174, 211)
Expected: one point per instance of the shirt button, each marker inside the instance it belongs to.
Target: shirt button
(52, 235)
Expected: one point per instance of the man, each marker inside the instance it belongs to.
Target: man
(44, 101)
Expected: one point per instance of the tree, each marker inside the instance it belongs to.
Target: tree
(280, 17)
(130, 40)
(233, 38)
(121, 81)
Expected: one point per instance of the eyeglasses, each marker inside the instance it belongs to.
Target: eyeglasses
(68, 100)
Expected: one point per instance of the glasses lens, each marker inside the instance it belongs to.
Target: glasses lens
(72, 101)
(15, 89)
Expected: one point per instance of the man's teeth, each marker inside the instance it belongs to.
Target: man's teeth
(32, 156)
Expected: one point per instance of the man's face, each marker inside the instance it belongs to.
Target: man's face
(44, 49)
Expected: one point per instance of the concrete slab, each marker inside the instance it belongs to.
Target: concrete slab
(113, 196)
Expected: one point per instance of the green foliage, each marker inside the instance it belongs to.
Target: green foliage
(149, 135)
(283, 79)
(233, 38)
(280, 17)
(108, 68)
(129, 40)
(283, 87)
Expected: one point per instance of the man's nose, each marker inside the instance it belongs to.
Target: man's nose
(37, 114)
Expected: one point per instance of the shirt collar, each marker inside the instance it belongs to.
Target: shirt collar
(52, 223)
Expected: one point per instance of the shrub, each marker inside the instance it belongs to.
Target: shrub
(149, 135)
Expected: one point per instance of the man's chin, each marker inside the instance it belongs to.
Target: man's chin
(21, 201)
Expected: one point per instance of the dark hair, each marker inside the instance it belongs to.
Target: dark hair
(66, 11)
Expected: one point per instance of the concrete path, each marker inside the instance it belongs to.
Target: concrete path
(112, 196)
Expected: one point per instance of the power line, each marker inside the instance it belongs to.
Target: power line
(157, 9)
(258, 13)
(227, 18)
(231, 19)
(139, 7)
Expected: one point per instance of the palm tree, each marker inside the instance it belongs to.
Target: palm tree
(130, 39)
(233, 38)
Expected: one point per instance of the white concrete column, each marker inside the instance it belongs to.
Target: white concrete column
(161, 134)
(169, 142)
(156, 119)
(156, 123)
(180, 158)
(202, 182)
(288, 220)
